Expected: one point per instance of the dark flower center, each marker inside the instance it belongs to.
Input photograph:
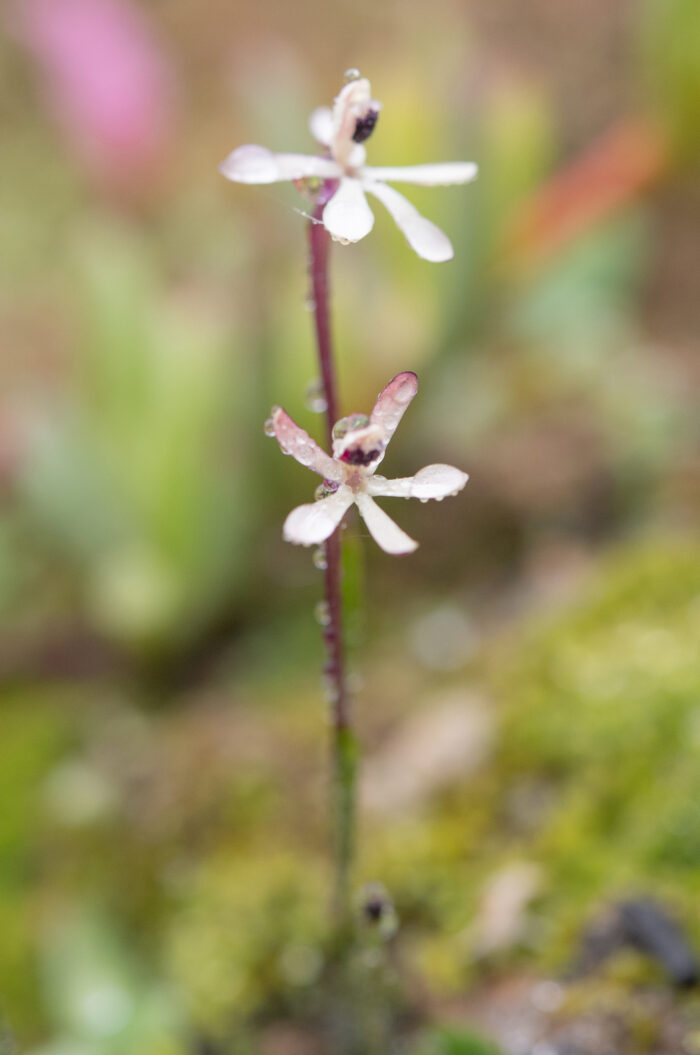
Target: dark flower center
(364, 126)
(356, 456)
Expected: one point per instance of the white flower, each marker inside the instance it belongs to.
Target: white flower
(347, 215)
(359, 443)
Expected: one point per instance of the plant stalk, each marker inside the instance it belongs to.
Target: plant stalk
(343, 744)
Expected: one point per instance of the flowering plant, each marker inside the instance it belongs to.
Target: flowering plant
(337, 182)
(347, 216)
(359, 445)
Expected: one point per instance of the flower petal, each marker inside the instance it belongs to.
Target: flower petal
(393, 401)
(434, 481)
(348, 217)
(350, 104)
(321, 125)
(382, 528)
(442, 175)
(428, 240)
(255, 164)
(293, 440)
(310, 524)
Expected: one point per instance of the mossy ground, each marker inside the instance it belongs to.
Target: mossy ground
(188, 846)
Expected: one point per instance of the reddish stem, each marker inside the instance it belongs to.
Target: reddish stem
(343, 740)
(319, 244)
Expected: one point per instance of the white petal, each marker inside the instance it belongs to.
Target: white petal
(352, 96)
(348, 217)
(293, 440)
(384, 531)
(308, 525)
(435, 481)
(442, 175)
(428, 240)
(392, 402)
(321, 125)
(350, 103)
(356, 157)
(255, 164)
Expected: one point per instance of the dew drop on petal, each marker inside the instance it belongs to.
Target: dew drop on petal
(304, 452)
(269, 427)
(315, 399)
(423, 501)
(322, 613)
(351, 75)
(328, 487)
(319, 558)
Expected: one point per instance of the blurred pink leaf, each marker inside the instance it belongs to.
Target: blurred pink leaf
(107, 80)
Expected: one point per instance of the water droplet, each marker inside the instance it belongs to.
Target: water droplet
(322, 613)
(269, 427)
(324, 490)
(309, 302)
(355, 682)
(439, 498)
(315, 398)
(351, 75)
(423, 501)
(319, 558)
(329, 689)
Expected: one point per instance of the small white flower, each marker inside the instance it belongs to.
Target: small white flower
(359, 444)
(347, 215)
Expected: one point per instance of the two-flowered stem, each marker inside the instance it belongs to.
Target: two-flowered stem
(343, 741)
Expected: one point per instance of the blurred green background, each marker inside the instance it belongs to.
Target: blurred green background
(528, 683)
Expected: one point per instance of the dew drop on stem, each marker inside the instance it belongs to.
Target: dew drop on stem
(329, 688)
(319, 558)
(315, 399)
(322, 613)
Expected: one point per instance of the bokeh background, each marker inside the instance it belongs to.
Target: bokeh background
(528, 683)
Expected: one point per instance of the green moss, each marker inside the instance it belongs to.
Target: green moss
(602, 705)
(455, 1042)
(35, 729)
(596, 775)
(249, 939)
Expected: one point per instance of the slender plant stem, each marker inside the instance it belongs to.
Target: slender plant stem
(343, 741)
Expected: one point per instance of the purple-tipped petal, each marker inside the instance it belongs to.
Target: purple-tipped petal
(293, 440)
(428, 240)
(393, 401)
(382, 528)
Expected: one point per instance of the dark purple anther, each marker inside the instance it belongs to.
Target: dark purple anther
(364, 126)
(376, 903)
(374, 909)
(356, 456)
